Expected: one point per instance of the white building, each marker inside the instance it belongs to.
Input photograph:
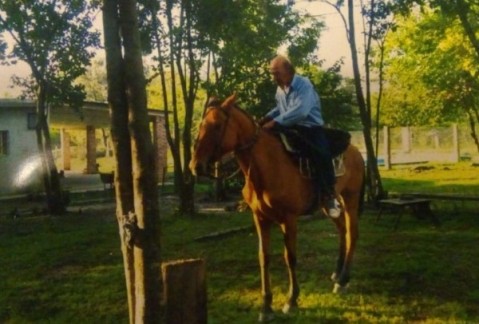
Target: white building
(18, 148)
(19, 160)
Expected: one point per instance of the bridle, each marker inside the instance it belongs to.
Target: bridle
(216, 106)
(251, 143)
(241, 147)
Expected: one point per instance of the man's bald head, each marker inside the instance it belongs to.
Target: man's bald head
(282, 70)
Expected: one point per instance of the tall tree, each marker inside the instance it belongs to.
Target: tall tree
(375, 188)
(378, 21)
(233, 41)
(337, 96)
(94, 81)
(432, 73)
(53, 37)
(467, 11)
(135, 181)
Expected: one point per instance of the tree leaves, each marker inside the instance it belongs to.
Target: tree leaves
(431, 71)
(54, 38)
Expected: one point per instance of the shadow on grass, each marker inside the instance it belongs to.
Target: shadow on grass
(66, 268)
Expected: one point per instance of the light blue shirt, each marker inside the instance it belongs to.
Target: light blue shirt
(297, 105)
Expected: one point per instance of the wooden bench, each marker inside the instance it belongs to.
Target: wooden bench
(420, 207)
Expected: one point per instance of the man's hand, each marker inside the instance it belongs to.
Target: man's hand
(264, 120)
(270, 124)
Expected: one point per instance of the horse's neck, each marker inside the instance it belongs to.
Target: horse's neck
(267, 156)
(263, 152)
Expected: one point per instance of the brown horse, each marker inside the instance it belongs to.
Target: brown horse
(276, 191)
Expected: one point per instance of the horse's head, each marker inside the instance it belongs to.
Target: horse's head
(216, 136)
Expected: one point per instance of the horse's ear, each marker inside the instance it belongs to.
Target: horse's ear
(229, 102)
(212, 101)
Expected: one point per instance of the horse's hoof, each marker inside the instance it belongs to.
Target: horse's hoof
(338, 289)
(265, 317)
(289, 309)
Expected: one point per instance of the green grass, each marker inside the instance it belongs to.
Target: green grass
(60, 270)
(69, 269)
(433, 178)
(458, 179)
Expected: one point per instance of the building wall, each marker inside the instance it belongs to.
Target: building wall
(20, 167)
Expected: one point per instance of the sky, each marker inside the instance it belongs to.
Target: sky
(333, 44)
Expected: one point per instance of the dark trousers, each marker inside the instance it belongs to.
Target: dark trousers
(319, 152)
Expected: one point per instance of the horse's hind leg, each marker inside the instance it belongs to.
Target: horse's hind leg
(347, 226)
(263, 230)
(290, 237)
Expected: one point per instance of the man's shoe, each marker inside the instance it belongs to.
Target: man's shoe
(333, 208)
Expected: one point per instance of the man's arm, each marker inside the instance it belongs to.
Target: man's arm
(269, 116)
(299, 107)
(273, 113)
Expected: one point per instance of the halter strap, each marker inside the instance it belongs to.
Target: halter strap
(249, 144)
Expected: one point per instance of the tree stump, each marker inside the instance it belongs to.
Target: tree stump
(184, 288)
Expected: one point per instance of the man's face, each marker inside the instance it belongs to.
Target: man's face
(280, 75)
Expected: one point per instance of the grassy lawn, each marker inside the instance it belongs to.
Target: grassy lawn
(69, 269)
(460, 178)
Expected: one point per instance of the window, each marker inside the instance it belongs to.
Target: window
(3, 143)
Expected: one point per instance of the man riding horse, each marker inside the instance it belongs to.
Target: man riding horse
(298, 106)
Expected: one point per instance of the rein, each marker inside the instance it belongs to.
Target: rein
(240, 148)
(249, 144)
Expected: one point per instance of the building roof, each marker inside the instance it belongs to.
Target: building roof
(92, 113)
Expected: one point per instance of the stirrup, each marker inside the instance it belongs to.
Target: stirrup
(333, 208)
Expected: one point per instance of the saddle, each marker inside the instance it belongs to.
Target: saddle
(300, 148)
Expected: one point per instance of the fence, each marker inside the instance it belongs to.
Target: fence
(400, 145)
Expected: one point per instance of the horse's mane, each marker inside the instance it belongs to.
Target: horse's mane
(272, 135)
(248, 115)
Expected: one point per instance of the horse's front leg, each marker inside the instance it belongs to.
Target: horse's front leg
(263, 229)
(290, 236)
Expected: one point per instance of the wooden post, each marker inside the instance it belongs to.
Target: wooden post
(91, 166)
(387, 148)
(406, 139)
(455, 142)
(184, 288)
(65, 149)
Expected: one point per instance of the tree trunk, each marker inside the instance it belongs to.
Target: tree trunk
(188, 87)
(471, 113)
(187, 206)
(135, 177)
(380, 91)
(120, 138)
(146, 249)
(183, 180)
(373, 176)
(51, 179)
(462, 10)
